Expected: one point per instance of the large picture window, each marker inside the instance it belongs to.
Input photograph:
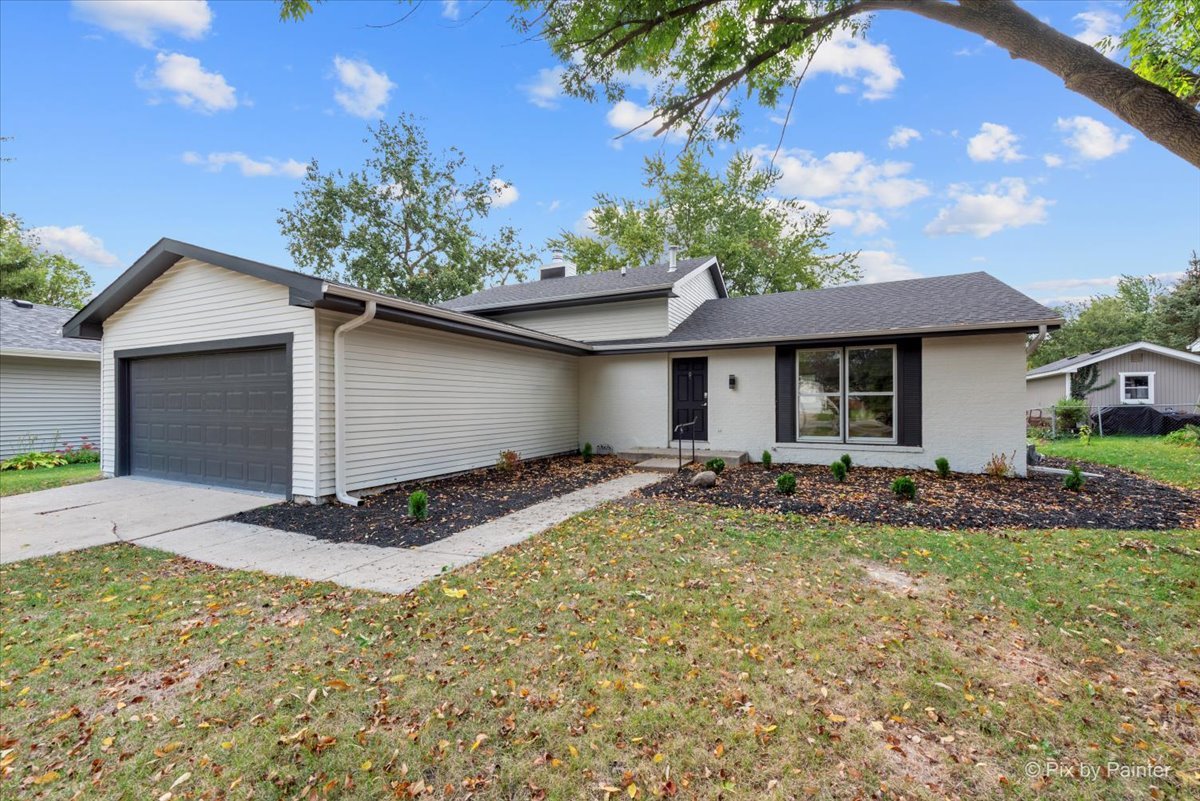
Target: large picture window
(846, 394)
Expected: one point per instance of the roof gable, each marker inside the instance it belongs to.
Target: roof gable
(1072, 363)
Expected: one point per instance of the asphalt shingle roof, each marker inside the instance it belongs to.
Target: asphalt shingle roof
(1070, 360)
(950, 301)
(551, 289)
(39, 328)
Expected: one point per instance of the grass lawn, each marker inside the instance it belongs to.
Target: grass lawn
(14, 482)
(1151, 456)
(633, 652)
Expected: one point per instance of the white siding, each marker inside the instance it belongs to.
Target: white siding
(46, 402)
(973, 394)
(423, 403)
(691, 291)
(631, 319)
(197, 302)
(1041, 393)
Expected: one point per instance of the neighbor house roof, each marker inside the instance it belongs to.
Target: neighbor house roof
(33, 329)
(656, 280)
(1195, 346)
(1073, 363)
(972, 301)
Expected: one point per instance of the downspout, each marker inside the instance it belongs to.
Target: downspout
(1032, 345)
(339, 402)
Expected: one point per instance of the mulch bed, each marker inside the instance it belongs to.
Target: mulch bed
(1119, 500)
(455, 503)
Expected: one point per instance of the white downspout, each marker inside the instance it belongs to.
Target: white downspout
(339, 402)
(1032, 345)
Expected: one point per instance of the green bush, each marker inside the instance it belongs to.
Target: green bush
(838, 469)
(766, 460)
(1074, 479)
(1188, 437)
(1069, 414)
(943, 466)
(715, 465)
(847, 461)
(587, 452)
(418, 505)
(86, 453)
(786, 483)
(904, 487)
(33, 461)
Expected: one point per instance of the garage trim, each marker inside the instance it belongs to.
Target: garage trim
(122, 358)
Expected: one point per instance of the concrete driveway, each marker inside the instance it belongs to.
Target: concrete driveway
(114, 510)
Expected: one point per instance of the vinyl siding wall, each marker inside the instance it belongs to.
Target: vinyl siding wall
(422, 403)
(1042, 393)
(1176, 382)
(197, 302)
(631, 319)
(693, 290)
(46, 402)
(973, 405)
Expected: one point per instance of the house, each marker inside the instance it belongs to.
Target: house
(49, 386)
(222, 370)
(1195, 346)
(1136, 374)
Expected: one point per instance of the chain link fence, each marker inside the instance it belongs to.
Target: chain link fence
(1142, 419)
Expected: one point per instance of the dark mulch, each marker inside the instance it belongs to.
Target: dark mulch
(1120, 500)
(455, 503)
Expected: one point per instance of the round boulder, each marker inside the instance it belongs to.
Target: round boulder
(705, 479)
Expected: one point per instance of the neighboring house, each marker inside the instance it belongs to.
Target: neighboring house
(226, 371)
(49, 386)
(1140, 373)
(1195, 346)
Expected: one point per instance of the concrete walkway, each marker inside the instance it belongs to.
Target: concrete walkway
(370, 567)
(64, 519)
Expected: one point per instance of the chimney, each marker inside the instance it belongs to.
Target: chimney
(557, 268)
(672, 258)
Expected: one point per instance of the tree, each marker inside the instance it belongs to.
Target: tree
(765, 244)
(1083, 382)
(405, 224)
(1175, 318)
(1103, 321)
(28, 273)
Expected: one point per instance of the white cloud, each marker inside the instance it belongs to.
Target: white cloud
(364, 91)
(1092, 139)
(553, 207)
(627, 115)
(141, 21)
(994, 142)
(451, 9)
(1053, 160)
(503, 193)
(1006, 204)
(192, 86)
(586, 224)
(847, 178)
(1096, 25)
(75, 243)
(251, 168)
(902, 136)
(847, 57)
(1068, 290)
(883, 265)
(860, 221)
(545, 91)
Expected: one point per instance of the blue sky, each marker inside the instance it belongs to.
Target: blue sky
(935, 152)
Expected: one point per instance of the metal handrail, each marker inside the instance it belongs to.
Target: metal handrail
(679, 440)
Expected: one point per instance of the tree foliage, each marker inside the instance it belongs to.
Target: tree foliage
(1176, 318)
(407, 223)
(1084, 382)
(1163, 42)
(29, 273)
(765, 244)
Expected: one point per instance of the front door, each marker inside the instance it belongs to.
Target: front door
(689, 382)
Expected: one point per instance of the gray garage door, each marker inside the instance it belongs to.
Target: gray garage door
(213, 418)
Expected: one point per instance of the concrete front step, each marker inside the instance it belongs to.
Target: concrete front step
(667, 459)
(662, 464)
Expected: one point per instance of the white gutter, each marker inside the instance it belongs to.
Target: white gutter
(32, 353)
(339, 404)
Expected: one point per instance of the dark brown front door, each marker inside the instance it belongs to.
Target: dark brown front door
(689, 382)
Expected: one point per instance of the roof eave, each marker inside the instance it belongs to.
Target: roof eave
(39, 353)
(564, 301)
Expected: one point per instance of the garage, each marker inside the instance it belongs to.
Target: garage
(222, 418)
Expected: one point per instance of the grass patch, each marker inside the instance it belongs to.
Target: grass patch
(1150, 456)
(14, 482)
(644, 651)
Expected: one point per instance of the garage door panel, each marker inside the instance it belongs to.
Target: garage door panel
(214, 418)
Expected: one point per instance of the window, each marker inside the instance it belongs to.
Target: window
(846, 394)
(1137, 387)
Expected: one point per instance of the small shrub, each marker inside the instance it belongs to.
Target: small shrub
(905, 488)
(1085, 435)
(86, 453)
(838, 469)
(786, 483)
(418, 505)
(587, 453)
(1074, 479)
(846, 460)
(1001, 464)
(1187, 437)
(766, 460)
(508, 462)
(1069, 414)
(33, 461)
(943, 466)
(715, 465)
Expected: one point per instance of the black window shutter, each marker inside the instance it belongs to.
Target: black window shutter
(908, 358)
(785, 394)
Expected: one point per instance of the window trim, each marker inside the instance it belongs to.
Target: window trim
(1149, 376)
(844, 394)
